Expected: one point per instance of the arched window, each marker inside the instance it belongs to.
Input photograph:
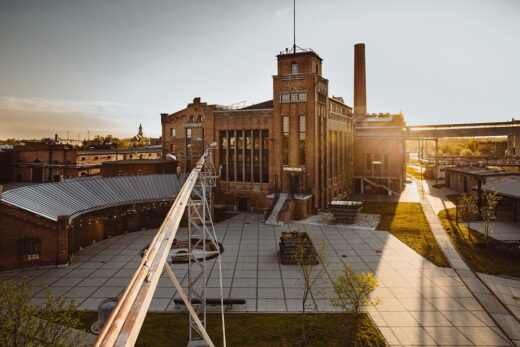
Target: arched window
(29, 249)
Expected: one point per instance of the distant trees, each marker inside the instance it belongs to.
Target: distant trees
(24, 324)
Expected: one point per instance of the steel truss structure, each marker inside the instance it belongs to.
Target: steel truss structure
(123, 326)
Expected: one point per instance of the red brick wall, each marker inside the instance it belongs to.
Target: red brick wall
(16, 224)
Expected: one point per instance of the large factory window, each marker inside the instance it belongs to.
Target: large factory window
(247, 145)
(303, 136)
(247, 153)
(223, 155)
(231, 155)
(256, 156)
(240, 155)
(265, 156)
(285, 131)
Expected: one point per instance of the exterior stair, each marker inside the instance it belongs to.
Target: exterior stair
(374, 184)
(273, 217)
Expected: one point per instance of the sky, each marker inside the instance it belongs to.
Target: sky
(104, 66)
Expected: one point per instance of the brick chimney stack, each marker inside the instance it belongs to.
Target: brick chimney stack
(360, 84)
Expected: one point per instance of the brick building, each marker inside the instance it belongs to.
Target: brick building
(138, 167)
(299, 143)
(39, 162)
(379, 145)
(46, 224)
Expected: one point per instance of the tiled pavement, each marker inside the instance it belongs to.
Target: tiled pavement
(506, 289)
(491, 303)
(421, 303)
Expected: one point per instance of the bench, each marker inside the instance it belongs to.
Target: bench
(212, 303)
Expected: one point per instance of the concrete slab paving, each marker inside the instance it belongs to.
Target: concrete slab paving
(419, 299)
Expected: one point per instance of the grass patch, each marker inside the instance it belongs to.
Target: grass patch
(414, 172)
(407, 222)
(497, 258)
(244, 329)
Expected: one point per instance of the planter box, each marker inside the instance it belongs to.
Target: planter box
(290, 242)
(345, 212)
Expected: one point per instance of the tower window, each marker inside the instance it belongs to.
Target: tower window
(303, 135)
(285, 130)
(294, 68)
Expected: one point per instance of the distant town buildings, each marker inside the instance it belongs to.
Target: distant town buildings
(39, 162)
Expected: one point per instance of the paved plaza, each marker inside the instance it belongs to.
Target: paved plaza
(422, 304)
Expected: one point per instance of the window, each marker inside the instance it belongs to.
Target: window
(82, 158)
(188, 133)
(96, 158)
(172, 132)
(293, 97)
(303, 134)
(109, 157)
(265, 156)
(29, 249)
(294, 68)
(56, 178)
(285, 131)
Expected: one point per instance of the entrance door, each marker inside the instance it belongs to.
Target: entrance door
(293, 184)
(37, 174)
(242, 204)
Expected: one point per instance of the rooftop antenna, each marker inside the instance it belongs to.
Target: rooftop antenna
(294, 26)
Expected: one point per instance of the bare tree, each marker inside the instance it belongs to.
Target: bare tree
(489, 212)
(308, 259)
(26, 324)
(353, 290)
(468, 209)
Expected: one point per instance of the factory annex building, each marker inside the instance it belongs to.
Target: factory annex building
(299, 146)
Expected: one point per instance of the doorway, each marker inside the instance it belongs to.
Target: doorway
(242, 204)
(37, 174)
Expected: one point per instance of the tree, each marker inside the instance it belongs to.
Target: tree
(353, 290)
(26, 324)
(311, 275)
(468, 208)
(489, 212)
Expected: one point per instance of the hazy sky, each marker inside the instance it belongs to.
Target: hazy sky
(106, 65)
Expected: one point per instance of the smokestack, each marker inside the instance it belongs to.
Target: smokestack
(360, 84)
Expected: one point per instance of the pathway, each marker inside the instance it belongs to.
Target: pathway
(507, 322)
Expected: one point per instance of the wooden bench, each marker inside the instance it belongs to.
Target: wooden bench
(212, 303)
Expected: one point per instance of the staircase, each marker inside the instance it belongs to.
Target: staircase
(273, 217)
(374, 184)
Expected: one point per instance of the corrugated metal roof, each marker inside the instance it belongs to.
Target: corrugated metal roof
(73, 198)
(507, 187)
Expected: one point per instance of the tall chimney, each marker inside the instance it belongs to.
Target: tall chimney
(360, 84)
